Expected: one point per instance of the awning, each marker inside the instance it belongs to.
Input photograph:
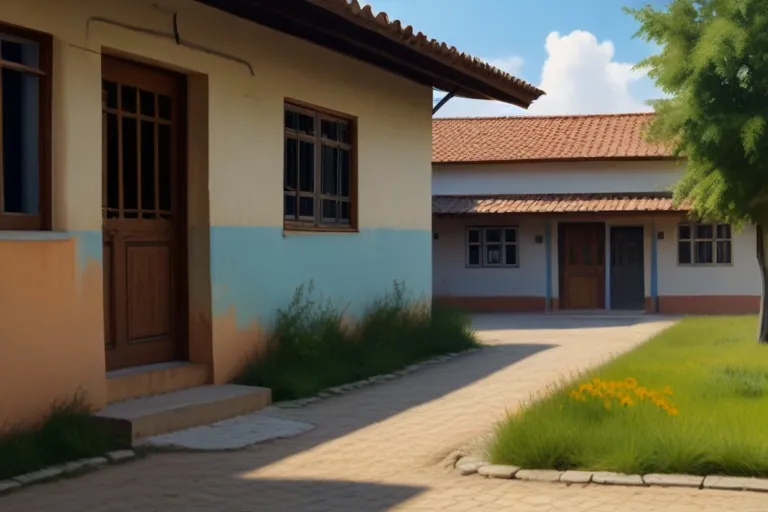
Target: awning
(346, 27)
(553, 203)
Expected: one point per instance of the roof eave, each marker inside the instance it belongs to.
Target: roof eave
(560, 160)
(331, 24)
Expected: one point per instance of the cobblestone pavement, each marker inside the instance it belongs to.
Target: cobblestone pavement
(380, 448)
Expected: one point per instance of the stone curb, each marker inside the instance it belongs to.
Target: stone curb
(346, 388)
(64, 470)
(474, 466)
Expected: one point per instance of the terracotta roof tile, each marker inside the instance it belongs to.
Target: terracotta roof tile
(553, 203)
(436, 49)
(549, 138)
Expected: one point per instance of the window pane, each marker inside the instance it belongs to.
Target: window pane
(510, 255)
(113, 184)
(723, 231)
(289, 206)
(130, 165)
(290, 165)
(345, 177)
(164, 106)
(344, 212)
(493, 254)
(474, 255)
(147, 165)
(344, 132)
(21, 139)
(307, 207)
(510, 235)
(704, 231)
(306, 166)
(147, 103)
(684, 253)
(684, 232)
(128, 99)
(291, 120)
(329, 210)
(329, 129)
(329, 171)
(724, 252)
(473, 236)
(110, 93)
(306, 124)
(165, 163)
(703, 252)
(20, 51)
(493, 235)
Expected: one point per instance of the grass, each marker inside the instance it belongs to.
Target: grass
(312, 347)
(67, 433)
(719, 378)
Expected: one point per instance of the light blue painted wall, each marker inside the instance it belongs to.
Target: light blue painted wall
(89, 247)
(256, 270)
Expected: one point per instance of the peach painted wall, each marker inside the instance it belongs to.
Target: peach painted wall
(51, 327)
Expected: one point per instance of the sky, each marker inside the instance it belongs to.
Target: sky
(582, 53)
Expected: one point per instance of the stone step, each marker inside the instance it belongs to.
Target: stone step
(154, 379)
(154, 415)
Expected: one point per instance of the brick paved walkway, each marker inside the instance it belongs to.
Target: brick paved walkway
(380, 448)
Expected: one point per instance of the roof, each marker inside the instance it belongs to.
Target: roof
(553, 203)
(544, 138)
(346, 27)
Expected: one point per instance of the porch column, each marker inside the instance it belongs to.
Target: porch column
(548, 263)
(607, 266)
(654, 270)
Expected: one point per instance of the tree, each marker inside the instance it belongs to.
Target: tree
(713, 67)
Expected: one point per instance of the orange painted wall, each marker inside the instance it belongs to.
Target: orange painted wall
(51, 328)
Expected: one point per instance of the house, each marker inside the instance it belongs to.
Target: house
(174, 169)
(575, 213)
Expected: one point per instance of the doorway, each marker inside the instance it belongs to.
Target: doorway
(627, 268)
(582, 265)
(143, 213)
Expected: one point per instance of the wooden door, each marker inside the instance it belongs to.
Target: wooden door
(143, 213)
(582, 265)
(627, 269)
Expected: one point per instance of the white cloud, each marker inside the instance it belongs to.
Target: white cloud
(580, 76)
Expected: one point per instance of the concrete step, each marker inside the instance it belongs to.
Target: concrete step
(154, 379)
(154, 415)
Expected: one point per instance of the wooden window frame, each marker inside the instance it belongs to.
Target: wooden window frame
(714, 240)
(42, 220)
(319, 114)
(505, 245)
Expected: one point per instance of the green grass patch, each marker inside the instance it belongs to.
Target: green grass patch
(67, 433)
(718, 376)
(312, 348)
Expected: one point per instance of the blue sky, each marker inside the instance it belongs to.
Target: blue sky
(581, 52)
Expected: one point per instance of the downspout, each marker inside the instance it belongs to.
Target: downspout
(444, 100)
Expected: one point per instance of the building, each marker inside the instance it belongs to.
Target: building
(173, 170)
(560, 213)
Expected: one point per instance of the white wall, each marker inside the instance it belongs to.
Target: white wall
(451, 277)
(740, 278)
(555, 178)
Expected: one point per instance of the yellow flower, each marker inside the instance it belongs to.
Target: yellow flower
(631, 382)
(627, 402)
(672, 411)
(668, 391)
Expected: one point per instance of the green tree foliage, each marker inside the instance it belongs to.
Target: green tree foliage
(713, 68)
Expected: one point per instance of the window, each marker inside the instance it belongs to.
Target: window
(704, 244)
(319, 170)
(25, 72)
(492, 247)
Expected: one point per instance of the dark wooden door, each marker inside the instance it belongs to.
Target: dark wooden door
(143, 213)
(582, 265)
(627, 269)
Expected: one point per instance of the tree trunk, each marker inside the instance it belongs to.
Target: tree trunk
(762, 330)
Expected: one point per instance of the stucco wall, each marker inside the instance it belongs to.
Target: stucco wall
(680, 289)
(555, 178)
(236, 169)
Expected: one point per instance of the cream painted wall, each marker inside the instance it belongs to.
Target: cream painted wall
(740, 278)
(555, 178)
(246, 113)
